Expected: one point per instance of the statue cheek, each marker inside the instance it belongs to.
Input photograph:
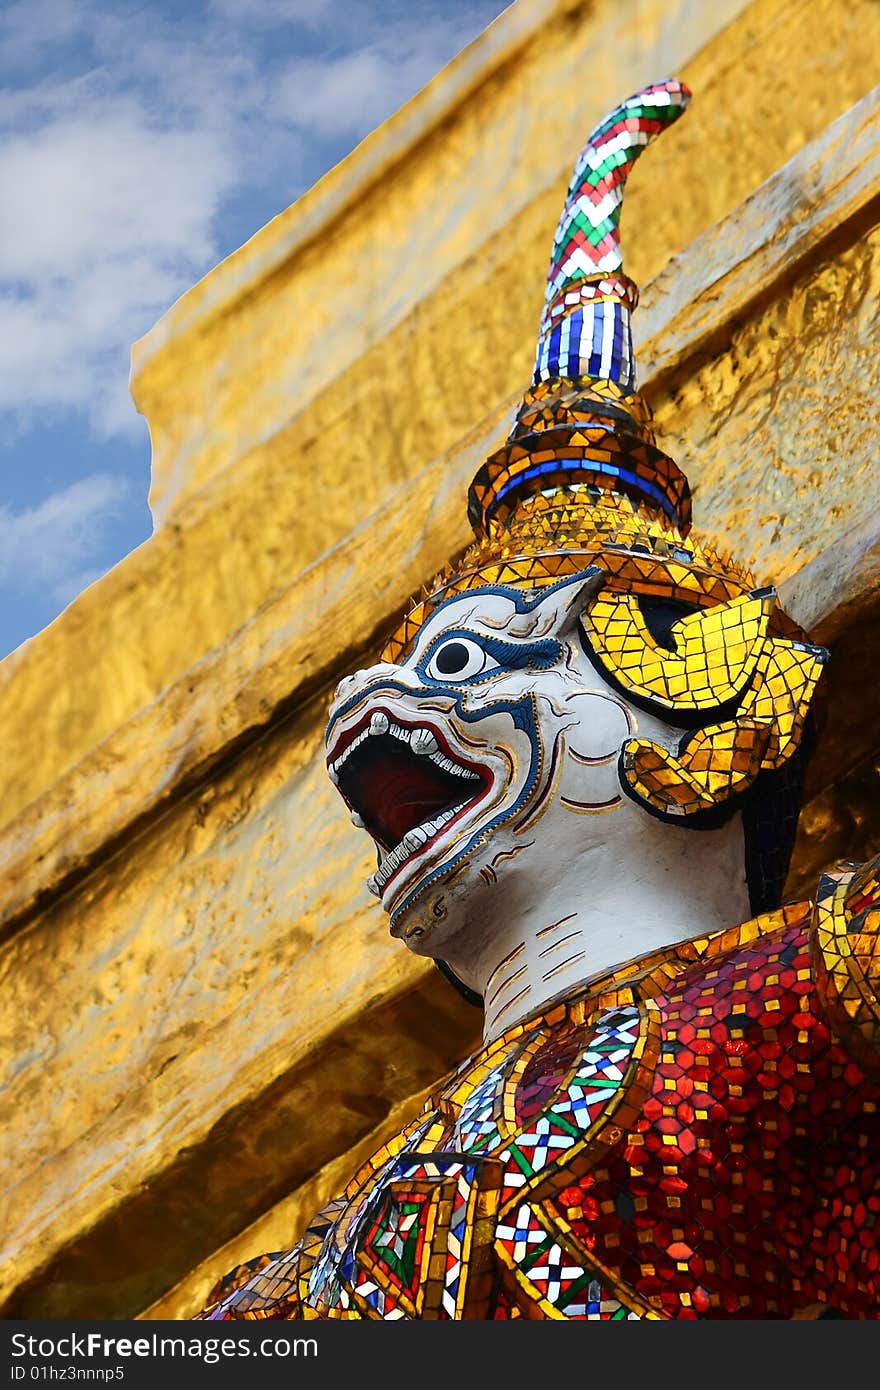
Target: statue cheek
(488, 695)
(603, 726)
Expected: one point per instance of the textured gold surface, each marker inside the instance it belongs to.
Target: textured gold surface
(217, 968)
(196, 973)
(280, 1227)
(776, 434)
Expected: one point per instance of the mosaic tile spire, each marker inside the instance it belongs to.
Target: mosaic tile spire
(582, 425)
(585, 329)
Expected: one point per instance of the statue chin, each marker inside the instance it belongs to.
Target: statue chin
(428, 928)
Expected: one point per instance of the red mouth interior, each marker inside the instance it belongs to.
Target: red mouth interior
(394, 790)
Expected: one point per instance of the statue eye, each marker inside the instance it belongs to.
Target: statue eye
(459, 659)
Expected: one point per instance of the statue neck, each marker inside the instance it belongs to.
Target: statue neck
(585, 914)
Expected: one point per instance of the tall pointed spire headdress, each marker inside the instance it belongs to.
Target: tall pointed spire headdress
(580, 479)
(582, 421)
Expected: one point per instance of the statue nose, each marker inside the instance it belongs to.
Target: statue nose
(360, 680)
(345, 687)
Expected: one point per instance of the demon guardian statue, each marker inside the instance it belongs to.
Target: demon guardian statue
(580, 758)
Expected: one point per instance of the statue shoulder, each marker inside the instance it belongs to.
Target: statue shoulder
(845, 949)
(840, 932)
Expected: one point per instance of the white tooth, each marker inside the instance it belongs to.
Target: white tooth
(357, 820)
(333, 774)
(423, 742)
(380, 723)
(373, 886)
(413, 839)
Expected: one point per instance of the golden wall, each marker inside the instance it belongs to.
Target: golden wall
(205, 1024)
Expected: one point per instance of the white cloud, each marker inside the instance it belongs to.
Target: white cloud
(117, 152)
(348, 93)
(29, 28)
(50, 546)
(271, 14)
(353, 93)
(103, 221)
(106, 183)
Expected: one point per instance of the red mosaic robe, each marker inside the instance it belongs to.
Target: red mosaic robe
(696, 1135)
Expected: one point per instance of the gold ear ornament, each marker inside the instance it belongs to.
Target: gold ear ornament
(714, 653)
(720, 761)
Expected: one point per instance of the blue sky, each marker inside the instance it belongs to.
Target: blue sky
(140, 144)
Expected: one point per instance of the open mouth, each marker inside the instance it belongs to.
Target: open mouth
(403, 786)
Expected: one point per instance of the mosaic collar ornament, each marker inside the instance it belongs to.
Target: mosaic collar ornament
(580, 757)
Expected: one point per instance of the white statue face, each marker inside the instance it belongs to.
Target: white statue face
(491, 751)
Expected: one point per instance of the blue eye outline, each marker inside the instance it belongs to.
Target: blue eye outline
(503, 656)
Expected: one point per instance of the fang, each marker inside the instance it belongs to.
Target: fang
(423, 742)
